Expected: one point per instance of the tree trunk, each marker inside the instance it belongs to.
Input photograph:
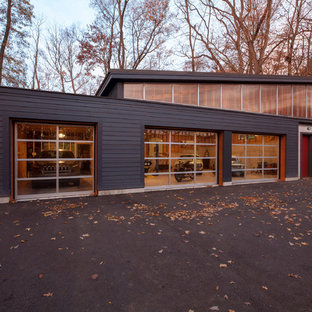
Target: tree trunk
(5, 38)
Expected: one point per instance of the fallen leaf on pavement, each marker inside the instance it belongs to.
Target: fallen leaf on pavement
(294, 275)
(40, 276)
(223, 265)
(49, 294)
(264, 287)
(94, 276)
(214, 308)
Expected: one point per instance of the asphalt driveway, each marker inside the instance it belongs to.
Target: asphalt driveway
(238, 248)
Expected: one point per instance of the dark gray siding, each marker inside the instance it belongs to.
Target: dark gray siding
(120, 125)
(227, 156)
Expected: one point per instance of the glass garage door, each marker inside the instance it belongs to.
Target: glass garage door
(53, 160)
(255, 157)
(175, 158)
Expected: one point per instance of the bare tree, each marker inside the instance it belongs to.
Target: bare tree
(54, 57)
(149, 28)
(188, 50)
(16, 16)
(297, 16)
(234, 35)
(62, 46)
(36, 52)
(125, 33)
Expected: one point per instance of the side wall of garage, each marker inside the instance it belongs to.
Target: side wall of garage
(120, 130)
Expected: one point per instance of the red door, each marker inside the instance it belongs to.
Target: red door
(305, 156)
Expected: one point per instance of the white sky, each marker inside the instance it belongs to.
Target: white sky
(64, 12)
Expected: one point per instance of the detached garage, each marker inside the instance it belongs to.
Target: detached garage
(148, 130)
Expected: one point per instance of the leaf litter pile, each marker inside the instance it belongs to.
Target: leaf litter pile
(184, 209)
(267, 207)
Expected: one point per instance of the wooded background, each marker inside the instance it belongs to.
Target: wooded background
(240, 36)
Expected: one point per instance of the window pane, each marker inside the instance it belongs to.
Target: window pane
(299, 98)
(156, 165)
(79, 133)
(284, 100)
(156, 180)
(251, 98)
(206, 151)
(206, 137)
(206, 177)
(31, 150)
(185, 93)
(270, 174)
(36, 187)
(238, 164)
(271, 140)
(133, 91)
(309, 101)
(182, 178)
(161, 92)
(182, 150)
(76, 185)
(270, 162)
(268, 99)
(238, 150)
(254, 163)
(183, 164)
(207, 164)
(254, 139)
(238, 175)
(75, 150)
(182, 136)
(231, 96)
(271, 150)
(254, 175)
(238, 138)
(156, 135)
(210, 95)
(75, 168)
(36, 169)
(156, 150)
(253, 151)
(36, 131)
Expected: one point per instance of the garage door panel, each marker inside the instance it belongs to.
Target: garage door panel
(41, 169)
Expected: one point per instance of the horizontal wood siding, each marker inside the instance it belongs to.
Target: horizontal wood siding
(121, 129)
